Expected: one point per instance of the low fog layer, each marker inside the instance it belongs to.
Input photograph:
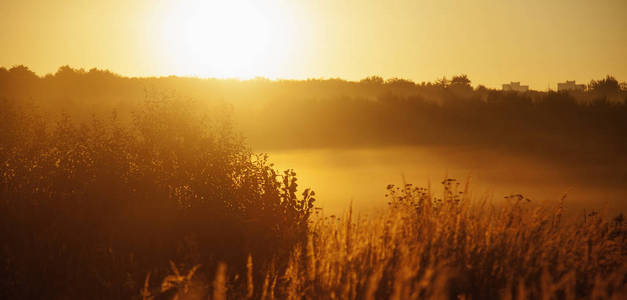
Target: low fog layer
(360, 176)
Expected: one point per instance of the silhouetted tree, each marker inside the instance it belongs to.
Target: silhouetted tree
(606, 85)
(399, 83)
(373, 80)
(442, 82)
(22, 72)
(460, 81)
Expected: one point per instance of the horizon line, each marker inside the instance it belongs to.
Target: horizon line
(272, 79)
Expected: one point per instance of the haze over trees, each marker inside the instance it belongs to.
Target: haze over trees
(567, 126)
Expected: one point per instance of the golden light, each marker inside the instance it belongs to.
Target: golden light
(236, 38)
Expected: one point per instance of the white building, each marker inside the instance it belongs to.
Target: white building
(570, 86)
(515, 86)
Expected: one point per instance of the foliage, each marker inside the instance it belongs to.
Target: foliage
(97, 204)
(608, 84)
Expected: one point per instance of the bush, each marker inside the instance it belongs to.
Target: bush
(87, 209)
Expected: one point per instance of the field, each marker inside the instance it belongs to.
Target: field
(165, 199)
(423, 247)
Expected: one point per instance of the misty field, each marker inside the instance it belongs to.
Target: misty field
(164, 199)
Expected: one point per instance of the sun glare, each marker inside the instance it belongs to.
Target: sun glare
(236, 38)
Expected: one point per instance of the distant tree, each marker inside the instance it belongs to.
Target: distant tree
(97, 74)
(372, 80)
(442, 82)
(460, 83)
(400, 83)
(623, 86)
(607, 85)
(22, 72)
(68, 72)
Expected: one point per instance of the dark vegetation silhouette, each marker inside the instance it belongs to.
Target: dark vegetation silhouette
(580, 126)
(88, 208)
(113, 188)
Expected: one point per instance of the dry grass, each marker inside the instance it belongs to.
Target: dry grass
(452, 247)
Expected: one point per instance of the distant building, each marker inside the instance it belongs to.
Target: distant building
(516, 87)
(570, 86)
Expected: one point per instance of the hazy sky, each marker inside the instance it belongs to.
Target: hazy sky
(536, 42)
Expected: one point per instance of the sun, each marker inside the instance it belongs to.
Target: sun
(235, 38)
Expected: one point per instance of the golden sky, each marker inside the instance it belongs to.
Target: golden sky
(536, 42)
